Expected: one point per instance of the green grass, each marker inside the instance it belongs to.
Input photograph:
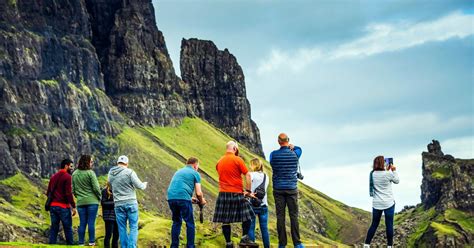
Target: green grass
(425, 221)
(444, 230)
(441, 172)
(463, 219)
(50, 82)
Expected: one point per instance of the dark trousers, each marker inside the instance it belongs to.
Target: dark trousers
(182, 210)
(111, 232)
(376, 215)
(63, 215)
(284, 198)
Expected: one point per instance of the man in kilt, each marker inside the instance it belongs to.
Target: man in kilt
(231, 205)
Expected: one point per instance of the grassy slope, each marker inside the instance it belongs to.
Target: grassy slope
(156, 153)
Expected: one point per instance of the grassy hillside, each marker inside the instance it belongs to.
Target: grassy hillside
(155, 153)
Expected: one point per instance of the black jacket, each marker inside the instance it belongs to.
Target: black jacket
(108, 212)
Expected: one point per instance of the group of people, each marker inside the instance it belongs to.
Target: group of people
(235, 203)
(118, 200)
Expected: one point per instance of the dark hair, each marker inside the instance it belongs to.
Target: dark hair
(379, 163)
(192, 160)
(65, 162)
(85, 162)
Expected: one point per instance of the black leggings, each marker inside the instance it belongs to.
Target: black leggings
(111, 229)
(226, 230)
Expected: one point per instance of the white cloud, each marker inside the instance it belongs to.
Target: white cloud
(462, 147)
(380, 38)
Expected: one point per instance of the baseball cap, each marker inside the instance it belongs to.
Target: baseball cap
(122, 159)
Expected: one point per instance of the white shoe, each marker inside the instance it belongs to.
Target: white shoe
(366, 245)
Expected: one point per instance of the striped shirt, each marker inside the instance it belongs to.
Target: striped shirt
(383, 194)
(284, 164)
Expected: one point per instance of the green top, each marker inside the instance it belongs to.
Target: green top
(85, 187)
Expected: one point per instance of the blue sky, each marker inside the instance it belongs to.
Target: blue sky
(347, 80)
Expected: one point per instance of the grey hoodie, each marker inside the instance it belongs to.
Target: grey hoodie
(124, 181)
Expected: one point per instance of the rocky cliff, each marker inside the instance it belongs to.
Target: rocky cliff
(216, 90)
(445, 216)
(73, 73)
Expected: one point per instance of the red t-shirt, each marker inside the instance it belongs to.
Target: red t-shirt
(230, 169)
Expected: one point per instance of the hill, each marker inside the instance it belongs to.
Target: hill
(155, 153)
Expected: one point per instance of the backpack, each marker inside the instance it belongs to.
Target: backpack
(259, 193)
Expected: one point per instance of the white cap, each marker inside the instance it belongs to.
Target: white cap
(122, 159)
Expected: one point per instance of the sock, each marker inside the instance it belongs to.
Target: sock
(226, 231)
(246, 227)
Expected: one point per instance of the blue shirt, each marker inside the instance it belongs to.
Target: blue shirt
(284, 164)
(182, 184)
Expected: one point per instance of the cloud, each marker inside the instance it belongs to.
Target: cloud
(462, 147)
(380, 38)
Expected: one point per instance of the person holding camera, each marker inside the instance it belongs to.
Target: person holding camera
(259, 185)
(284, 162)
(381, 179)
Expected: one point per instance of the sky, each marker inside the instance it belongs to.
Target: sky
(346, 80)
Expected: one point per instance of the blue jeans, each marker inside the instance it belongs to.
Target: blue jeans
(63, 215)
(123, 213)
(376, 215)
(182, 210)
(262, 213)
(87, 216)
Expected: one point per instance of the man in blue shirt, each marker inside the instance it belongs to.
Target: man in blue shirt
(284, 162)
(180, 198)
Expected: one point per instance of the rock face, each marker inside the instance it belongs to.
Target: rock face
(447, 182)
(52, 99)
(72, 73)
(138, 72)
(216, 90)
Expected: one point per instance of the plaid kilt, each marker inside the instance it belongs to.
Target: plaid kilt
(231, 208)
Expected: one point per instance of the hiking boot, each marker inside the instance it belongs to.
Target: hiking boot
(247, 241)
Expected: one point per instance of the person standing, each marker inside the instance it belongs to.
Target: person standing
(381, 180)
(62, 206)
(180, 197)
(231, 206)
(260, 182)
(284, 162)
(124, 181)
(108, 215)
(87, 191)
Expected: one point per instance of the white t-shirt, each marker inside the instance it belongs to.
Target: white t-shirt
(257, 179)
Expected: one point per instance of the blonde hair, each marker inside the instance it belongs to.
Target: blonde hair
(256, 165)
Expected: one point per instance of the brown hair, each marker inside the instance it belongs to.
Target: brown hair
(256, 165)
(85, 162)
(379, 163)
(108, 189)
(192, 160)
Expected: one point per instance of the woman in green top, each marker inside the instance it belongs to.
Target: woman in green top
(87, 192)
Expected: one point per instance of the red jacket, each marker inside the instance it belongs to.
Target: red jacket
(62, 196)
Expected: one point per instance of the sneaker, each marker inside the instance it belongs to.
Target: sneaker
(229, 245)
(91, 244)
(246, 241)
(300, 245)
(366, 245)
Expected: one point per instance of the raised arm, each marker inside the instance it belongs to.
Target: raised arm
(394, 175)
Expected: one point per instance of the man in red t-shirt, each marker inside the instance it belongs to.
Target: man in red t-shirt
(231, 206)
(62, 207)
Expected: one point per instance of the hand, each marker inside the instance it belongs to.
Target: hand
(204, 202)
(291, 146)
(194, 200)
(73, 211)
(393, 168)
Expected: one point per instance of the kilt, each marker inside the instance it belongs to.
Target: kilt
(231, 208)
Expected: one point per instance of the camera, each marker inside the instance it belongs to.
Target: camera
(299, 176)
